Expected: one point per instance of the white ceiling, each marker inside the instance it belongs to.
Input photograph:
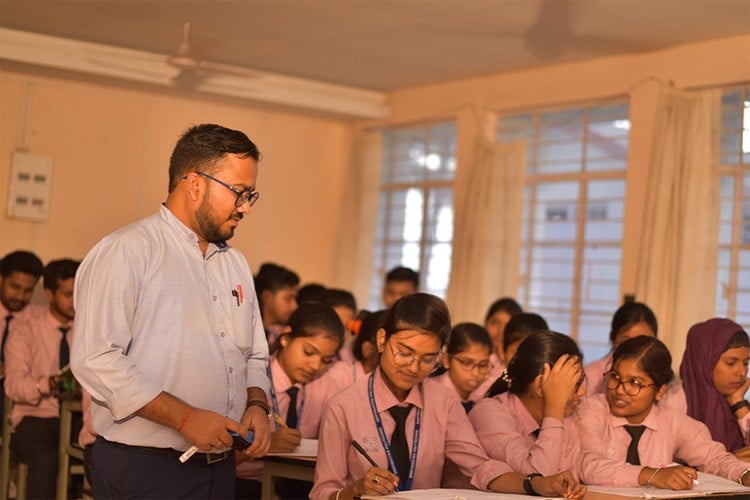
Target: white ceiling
(385, 44)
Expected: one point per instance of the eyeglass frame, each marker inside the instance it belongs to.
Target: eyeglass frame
(249, 195)
(469, 365)
(620, 382)
(412, 359)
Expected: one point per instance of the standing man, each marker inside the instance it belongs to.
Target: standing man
(36, 351)
(169, 339)
(19, 273)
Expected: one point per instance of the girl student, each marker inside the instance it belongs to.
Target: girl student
(627, 435)
(525, 421)
(409, 424)
(714, 376)
(302, 353)
(631, 319)
(364, 352)
(466, 362)
(498, 315)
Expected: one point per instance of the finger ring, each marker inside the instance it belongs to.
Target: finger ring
(376, 480)
(219, 444)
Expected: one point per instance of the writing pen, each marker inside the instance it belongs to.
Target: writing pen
(362, 451)
(280, 421)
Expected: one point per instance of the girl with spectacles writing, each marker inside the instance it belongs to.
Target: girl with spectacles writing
(526, 419)
(626, 435)
(409, 424)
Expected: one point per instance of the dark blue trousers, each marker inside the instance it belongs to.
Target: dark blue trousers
(122, 472)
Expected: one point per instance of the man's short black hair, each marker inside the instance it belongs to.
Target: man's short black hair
(21, 261)
(401, 273)
(59, 270)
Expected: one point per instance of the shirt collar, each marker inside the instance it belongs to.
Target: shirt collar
(528, 424)
(281, 381)
(188, 234)
(384, 398)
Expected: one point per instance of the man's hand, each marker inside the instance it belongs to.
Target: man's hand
(256, 420)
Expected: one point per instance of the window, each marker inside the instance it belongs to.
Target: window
(415, 221)
(573, 217)
(733, 280)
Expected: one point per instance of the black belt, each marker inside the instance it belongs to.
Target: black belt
(198, 458)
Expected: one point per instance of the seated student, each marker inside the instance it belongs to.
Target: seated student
(408, 423)
(714, 376)
(525, 421)
(302, 353)
(399, 282)
(495, 320)
(466, 362)
(364, 352)
(276, 288)
(627, 435)
(310, 292)
(36, 351)
(519, 327)
(632, 319)
(345, 305)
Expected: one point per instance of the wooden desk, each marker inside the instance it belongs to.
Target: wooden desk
(282, 466)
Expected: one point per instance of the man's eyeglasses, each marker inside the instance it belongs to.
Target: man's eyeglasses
(631, 386)
(428, 363)
(244, 196)
(469, 365)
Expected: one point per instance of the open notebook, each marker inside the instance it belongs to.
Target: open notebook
(307, 448)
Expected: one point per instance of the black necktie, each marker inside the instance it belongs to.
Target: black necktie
(635, 431)
(468, 405)
(291, 413)
(399, 445)
(6, 331)
(64, 349)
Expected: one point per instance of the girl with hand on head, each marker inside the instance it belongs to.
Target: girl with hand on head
(466, 362)
(632, 319)
(525, 420)
(300, 355)
(626, 434)
(409, 424)
(714, 376)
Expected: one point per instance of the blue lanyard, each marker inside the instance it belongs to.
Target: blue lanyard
(384, 439)
(275, 400)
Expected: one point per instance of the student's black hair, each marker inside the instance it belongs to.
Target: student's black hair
(419, 311)
(202, 146)
(401, 273)
(739, 339)
(652, 357)
(58, 270)
(310, 292)
(630, 314)
(535, 350)
(462, 335)
(21, 261)
(506, 304)
(368, 332)
(310, 320)
(273, 277)
(336, 297)
(522, 325)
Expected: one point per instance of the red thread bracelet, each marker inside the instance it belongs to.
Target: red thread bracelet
(185, 419)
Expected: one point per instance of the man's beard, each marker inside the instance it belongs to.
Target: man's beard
(207, 226)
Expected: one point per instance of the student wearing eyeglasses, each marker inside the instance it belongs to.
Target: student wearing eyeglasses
(526, 419)
(627, 435)
(407, 424)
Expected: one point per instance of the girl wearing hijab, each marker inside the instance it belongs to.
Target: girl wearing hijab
(714, 376)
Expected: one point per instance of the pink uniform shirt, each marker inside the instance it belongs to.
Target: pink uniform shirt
(669, 436)
(445, 381)
(32, 355)
(445, 433)
(505, 428)
(343, 374)
(496, 368)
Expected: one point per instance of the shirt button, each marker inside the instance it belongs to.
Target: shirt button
(214, 298)
(231, 407)
(231, 370)
(222, 334)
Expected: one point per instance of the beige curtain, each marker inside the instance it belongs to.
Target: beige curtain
(488, 201)
(676, 269)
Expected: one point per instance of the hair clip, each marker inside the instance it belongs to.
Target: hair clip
(504, 375)
(354, 325)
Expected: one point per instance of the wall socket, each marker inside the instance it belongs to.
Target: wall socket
(30, 187)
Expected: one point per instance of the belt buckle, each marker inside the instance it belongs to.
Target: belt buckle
(212, 458)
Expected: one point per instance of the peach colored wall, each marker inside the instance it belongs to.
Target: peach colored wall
(471, 102)
(111, 149)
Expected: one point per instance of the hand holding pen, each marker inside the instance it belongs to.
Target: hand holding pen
(376, 481)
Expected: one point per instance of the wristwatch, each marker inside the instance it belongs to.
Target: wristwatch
(527, 483)
(261, 404)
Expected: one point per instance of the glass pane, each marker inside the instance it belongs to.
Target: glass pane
(722, 282)
(561, 125)
(439, 225)
(513, 128)
(555, 212)
(438, 258)
(600, 286)
(405, 215)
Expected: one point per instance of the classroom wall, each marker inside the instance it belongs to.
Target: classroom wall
(111, 148)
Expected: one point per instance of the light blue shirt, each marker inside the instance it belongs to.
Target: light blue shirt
(153, 314)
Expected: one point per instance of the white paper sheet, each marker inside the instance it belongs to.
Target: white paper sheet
(707, 484)
(307, 448)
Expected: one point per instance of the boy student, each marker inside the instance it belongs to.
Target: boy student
(399, 281)
(36, 351)
(276, 287)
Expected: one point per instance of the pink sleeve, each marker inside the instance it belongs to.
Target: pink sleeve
(331, 469)
(596, 467)
(695, 447)
(20, 378)
(463, 448)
